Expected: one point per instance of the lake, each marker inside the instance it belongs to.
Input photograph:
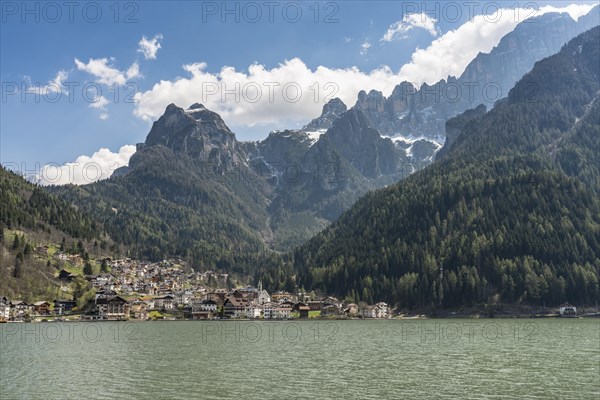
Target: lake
(392, 359)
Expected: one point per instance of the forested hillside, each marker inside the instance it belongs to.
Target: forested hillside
(33, 226)
(26, 206)
(510, 214)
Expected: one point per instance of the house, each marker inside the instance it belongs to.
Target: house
(102, 280)
(382, 310)
(66, 276)
(64, 306)
(150, 288)
(234, 307)
(183, 297)
(330, 310)
(217, 295)
(567, 310)
(114, 308)
(367, 311)
(351, 310)
(149, 302)
(4, 309)
(303, 309)
(283, 296)
(20, 309)
(287, 303)
(332, 301)
(243, 294)
(165, 302)
(274, 310)
(104, 294)
(315, 305)
(203, 309)
(126, 288)
(138, 309)
(41, 307)
(253, 310)
(248, 292)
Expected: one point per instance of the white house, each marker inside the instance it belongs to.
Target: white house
(367, 312)
(253, 311)
(276, 311)
(567, 310)
(4, 308)
(381, 310)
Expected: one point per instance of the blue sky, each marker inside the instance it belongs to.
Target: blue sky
(347, 39)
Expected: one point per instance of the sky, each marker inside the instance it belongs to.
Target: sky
(82, 82)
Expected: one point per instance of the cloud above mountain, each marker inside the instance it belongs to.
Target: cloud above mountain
(292, 93)
(400, 29)
(450, 54)
(86, 169)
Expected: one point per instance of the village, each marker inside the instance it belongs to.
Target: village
(166, 290)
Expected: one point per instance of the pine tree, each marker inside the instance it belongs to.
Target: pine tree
(18, 271)
(87, 269)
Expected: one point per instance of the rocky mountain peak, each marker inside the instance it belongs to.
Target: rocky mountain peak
(372, 102)
(197, 106)
(334, 107)
(331, 111)
(196, 131)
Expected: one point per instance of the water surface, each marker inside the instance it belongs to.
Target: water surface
(420, 359)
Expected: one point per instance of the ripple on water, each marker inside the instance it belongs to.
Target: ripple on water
(340, 360)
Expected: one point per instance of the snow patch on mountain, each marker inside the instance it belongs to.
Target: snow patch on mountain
(314, 136)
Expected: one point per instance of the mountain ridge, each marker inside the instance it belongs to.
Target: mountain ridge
(494, 220)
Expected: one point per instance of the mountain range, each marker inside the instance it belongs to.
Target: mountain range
(510, 213)
(418, 198)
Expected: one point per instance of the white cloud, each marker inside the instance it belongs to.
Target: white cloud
(133, 71)
(574, 10)
(99, 103)
(106, 73)
(447, 55)
(149, 47)
(400, 29)
(261, 99)
(53, 86)
(57, 82)
(86, 169)
(364, 48)
(452, 52)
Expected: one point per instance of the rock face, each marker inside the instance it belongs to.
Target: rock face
(516, 54)
(408, 112)
(199, 133)
(363, 146)
(455, 126)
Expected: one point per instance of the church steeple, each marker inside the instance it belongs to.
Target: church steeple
(260, 285)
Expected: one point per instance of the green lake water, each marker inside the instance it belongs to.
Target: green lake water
(408, 359)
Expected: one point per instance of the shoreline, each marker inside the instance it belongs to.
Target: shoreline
(324, 319)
